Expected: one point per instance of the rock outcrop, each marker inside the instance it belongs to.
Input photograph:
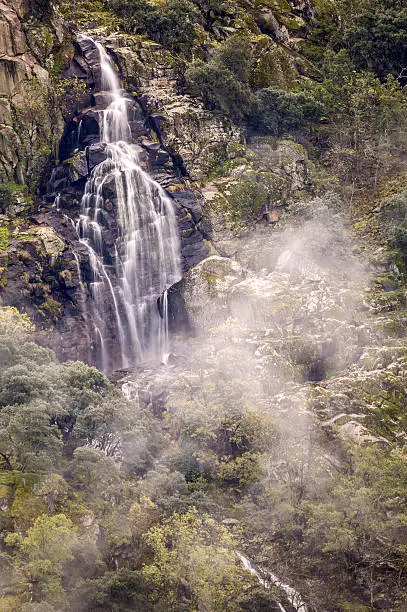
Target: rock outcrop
(19, 64)
(179, 145)
(193, 136)
(81, 152)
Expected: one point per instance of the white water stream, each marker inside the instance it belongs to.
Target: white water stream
(293, 596)
(128, 326)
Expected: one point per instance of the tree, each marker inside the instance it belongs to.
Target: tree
(236, 55)
(194, 563)
(361, 524)
(97, 476)
(376, 37)
(171, 24)
(15, 324)
(277, 112)
(15, 328)
(28, 440)
(123, 590)
(115, 426)
(364, 119)
(395, 223)
(218, 87)
(42, 554)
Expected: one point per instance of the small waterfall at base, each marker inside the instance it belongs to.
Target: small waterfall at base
(128, 289)
(268, 579)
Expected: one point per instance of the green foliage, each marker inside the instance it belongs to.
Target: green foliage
(241, 471)
(387, 407)
(35, 124)
(222, 83)
(374, 34)
(7, 190)
(364, 516)
(122, 590)
(365, 119)
(260, 600)
(359, 97)
(65, 92)
(28, 440)
(39, 36)
(243, 202)
(222, 437)
(394, 219)
(43, 552)
(226, 84)
(96, 474)
(51, 309)
(15, 324)
(110, 425)
(194, 564)
(218, 87)
(172, 24)
(236, 55)
(77, 460)
(277, 112)
(376, 37)
(50, 415)
(37, 110)
(167, 489)
(106, 506)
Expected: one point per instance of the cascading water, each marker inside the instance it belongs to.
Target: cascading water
(294, 598)
(129, 289)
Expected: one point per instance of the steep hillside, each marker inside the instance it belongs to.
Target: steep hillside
(228, 177)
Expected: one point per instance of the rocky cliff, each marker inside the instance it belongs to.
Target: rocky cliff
(276, 430)
(45, 271)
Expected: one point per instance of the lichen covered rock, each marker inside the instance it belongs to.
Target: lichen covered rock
(206, 288)
(25, 44)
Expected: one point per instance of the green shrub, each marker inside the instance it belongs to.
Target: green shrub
(376, 38)
(222, 83)
(218, 87)
(4, 237)
(235, 54)
(274, 111)
(394, 223)
(172, 24)
(6, 193)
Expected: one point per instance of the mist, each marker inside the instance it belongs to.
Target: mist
(285, 314)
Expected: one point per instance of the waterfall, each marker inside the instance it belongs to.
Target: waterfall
(293, 596)
(129, 313)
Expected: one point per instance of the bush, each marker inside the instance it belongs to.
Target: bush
(222, 83)
(235, 54)
(218, 87)
(172, 24)
(7, 191)
(276, 112)
(15, 324)
(365, 119)
(394, 223)
(377, 39)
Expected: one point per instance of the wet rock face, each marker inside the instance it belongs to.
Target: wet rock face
(206, 289)
(81, 152)
(40, 277)
(193, 136)
(17, 66)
